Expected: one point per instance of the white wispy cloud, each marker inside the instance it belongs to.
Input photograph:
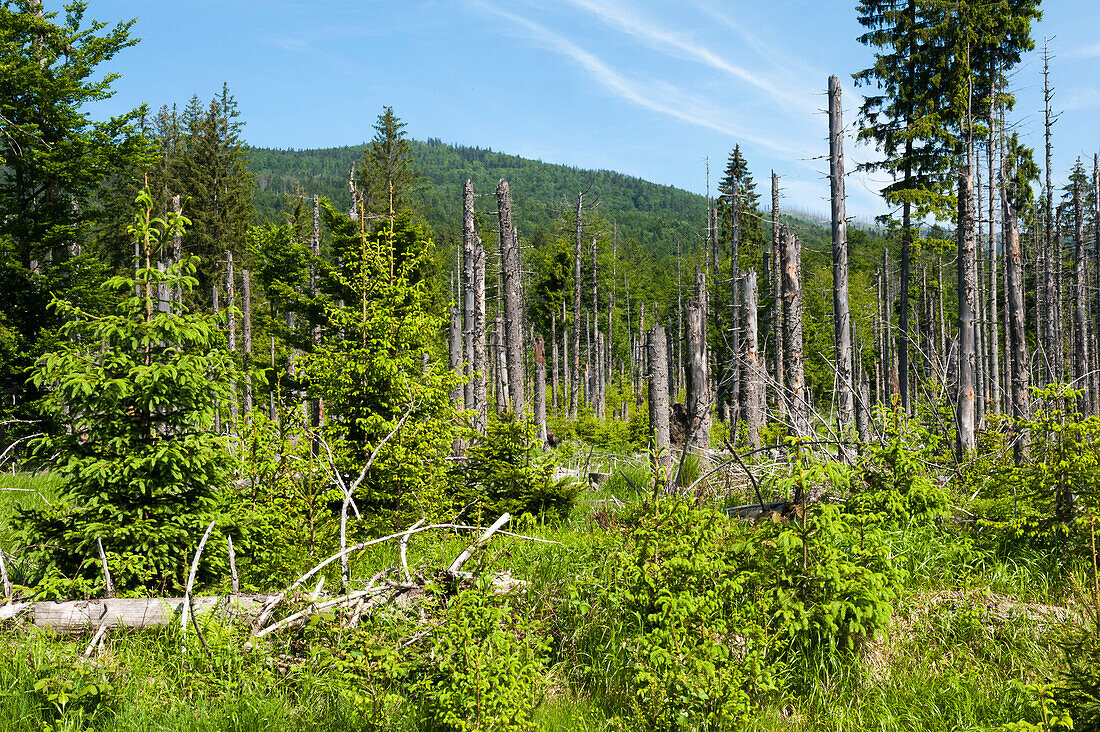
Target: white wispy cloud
(650, 94)
(1083, 53)
(657, 37)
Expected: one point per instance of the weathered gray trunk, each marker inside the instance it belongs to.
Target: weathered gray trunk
(797, 405)
(1080, 304)
(575, 382)
(454, 341)
(231, 315)
(540, 388)
(698, 370)
(965, 407)
(513, 313)
(475, 320)
(554, 361)
(752, 375)
(1017, 321)
(994, 271)
(466, 286)
(777, 300)
(246, 337)
(842, 321)
(736, 348)
(177, 250)
(659, 395)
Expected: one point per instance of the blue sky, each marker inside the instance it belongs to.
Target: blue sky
(645, 87)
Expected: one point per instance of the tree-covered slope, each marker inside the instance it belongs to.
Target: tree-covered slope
(656, 215)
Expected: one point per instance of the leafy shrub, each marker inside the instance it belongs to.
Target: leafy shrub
(665, 632)
(893, 485)
(503, 473)
(135, 391)
(486, 667)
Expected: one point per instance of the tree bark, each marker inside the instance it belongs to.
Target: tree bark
(777, 299)
(574, 388)
(540, 389)
(513, 315)
(475, 314)
(797, 405)
(1017, 323)
(659, 396)
(966, 398)
(231, 315)
(752, 376)
(1080, 304)
(842, 320)
(246, 336)
(699, 395)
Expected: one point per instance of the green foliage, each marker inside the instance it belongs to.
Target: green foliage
(135, 392)
(893, 485)
(683, 650)
(486, 669)
(377, 363)
(387, 178)
(503, 473)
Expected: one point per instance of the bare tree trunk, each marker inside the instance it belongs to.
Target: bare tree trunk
(1050, 346)
(246, 335)
(513, 315)
(566, 371)
(1017, 323)
(554, 362)
(965, 405)
(454, 341)
(1080, 304)
(475, 317)
(231, 314)
(467, 286)
(752, 376)
(574, 392)
(1096, 273)
(994, 271)
(737, 350)
(842, 319)
(177, 250)
(777, 300)
(658, 395)
(540, 389)
(699, 395)
(792, 333)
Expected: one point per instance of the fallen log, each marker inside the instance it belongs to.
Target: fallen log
(75, 616)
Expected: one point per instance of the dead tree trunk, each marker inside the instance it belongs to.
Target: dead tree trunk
(1080, 303)
(752, 375)
(246, 336)
(475, 315)
(1017, 322)
(994, 271)
(574, 387)
(513, 315)
(466, 285)
(177, 250)
(699, 396)
(554, 362)
(231, 315)
(454, 340)
(777, 299)
(658, 395)
(797, 405)
(966, 399)
(540, 389)
(842, 325)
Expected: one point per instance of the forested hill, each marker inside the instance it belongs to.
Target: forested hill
(657, 216)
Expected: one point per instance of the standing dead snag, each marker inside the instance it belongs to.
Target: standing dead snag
(776, 276)
(575, 380)
(540, 389)
(474, 300)
(752, 375)
(513, 317)
(1080, 304)
(658, 395)
(965, 413)
(797, 405)
(698, 370)
(842, 326)
(1017, 323)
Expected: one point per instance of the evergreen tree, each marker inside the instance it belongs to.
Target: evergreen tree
(752, 239)
(53, 160)
(386, 177)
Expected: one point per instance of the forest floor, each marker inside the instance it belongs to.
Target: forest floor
(968, 630)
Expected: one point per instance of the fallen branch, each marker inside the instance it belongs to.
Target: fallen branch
(461, 559)
(187, 592)
(76, 616)
(316, 607)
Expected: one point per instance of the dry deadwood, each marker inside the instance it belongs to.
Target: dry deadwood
(76, 616)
